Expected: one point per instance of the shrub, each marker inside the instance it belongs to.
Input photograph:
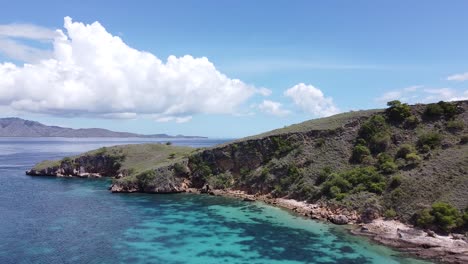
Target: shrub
(411, 122)
(388, 167)
(397, 112)
(433, 111)
(168, 143)
(413, 159)
(323, 175)
(146, 179)
(441, 216)
(354, 181)
(379, 142)
(172, 155)
(372, 126)
(450, 109)
(320, 142)
(395, 181)
(431, 139)
(383, 157)
(464, 139)
(446, 216)
(455, 125)
(390, 214)
(359, 153)
(180, 169)
(425, 219)
(404, 150)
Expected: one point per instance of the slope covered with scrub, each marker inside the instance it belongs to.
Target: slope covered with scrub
(397, 162)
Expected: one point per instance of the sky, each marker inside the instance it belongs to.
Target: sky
(224, 69)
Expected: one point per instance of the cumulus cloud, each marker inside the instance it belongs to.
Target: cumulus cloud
(421, 94)
(93, 73)
(458, 77)
(311, 100)
(273, 108)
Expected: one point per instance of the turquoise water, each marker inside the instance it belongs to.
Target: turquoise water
(53, 220)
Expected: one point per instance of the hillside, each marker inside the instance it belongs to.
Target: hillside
(17, 127)
(396, 162)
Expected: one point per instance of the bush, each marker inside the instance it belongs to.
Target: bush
(413, 159)
(450, 109)
(168, 143)
(388, 167)
(372, 126)
(320, 142)
(379, 142)
(395, 181)
(146, 179)
(354, 181)
(323, 175)
(397, 112)
(464, 139)
(359, 153)
(441, 216)
(390, 214)
(455, 125)
(404, 150)
(431, 139)
(425, 219)
(433, 111)
(411, 122)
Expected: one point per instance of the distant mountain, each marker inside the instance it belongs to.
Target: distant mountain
(17, 127)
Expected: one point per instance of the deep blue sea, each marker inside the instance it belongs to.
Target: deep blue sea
(53, 220)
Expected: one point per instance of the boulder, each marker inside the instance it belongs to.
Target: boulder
(339, 219)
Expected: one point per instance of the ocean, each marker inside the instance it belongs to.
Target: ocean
(55, 220)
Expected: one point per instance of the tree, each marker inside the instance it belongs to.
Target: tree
(397, 111)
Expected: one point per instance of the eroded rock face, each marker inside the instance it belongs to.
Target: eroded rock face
(88, 166)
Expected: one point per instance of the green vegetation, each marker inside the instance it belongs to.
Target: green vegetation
(397, 111)
(390, 214)
(282, 145)
(431, 139)
(433, 111)
(359, 153)
(442, 216)
(411, 122)
(353, 181)
(455, 125)
(375, 124)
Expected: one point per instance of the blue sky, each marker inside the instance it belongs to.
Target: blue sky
(348, 55)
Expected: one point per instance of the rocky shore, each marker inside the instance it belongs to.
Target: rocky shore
(405, 238)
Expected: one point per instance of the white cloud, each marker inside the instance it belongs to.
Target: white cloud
(27, 31)
(12, 48)
(273, 108)
(93, 73)
(405, 94)
(419, 94)
(458, 77)
(312, 100)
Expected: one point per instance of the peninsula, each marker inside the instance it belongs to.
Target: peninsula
(399, 173)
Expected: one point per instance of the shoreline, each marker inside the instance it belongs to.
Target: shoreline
(402, 237)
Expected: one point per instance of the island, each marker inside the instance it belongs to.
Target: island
(17, 127)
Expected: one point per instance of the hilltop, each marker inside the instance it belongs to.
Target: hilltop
(17, 127)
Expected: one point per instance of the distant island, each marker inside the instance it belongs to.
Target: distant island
(17, 127)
